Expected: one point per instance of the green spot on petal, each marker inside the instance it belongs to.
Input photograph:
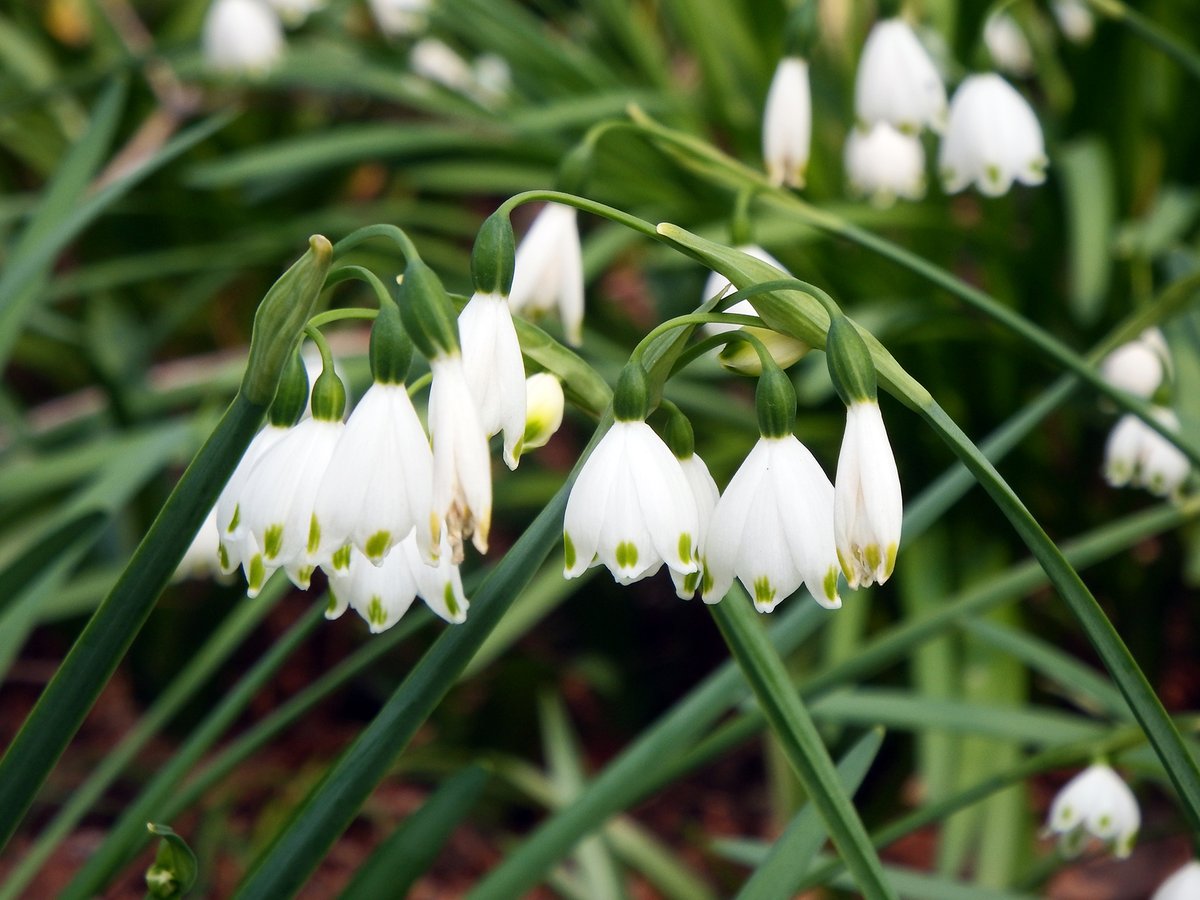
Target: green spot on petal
(236, 520)
(341, 558)
(890, 563)
(627, 555)
(273, 541)
(222, 556)
(375, 614)
(691, 581)
(830, 583)
(304, 575)
(451, 600)
(568, 551)
(706, 580)
(992, 173)
(314, 534)
(332, 606)
(685, 546)
(257, 574)
(377, 544)
(873, 556)
(763, 592)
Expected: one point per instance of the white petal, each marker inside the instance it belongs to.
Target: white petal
(242, 36)
(897, 82)
(494, 369)
(787, 123)
(462, 475)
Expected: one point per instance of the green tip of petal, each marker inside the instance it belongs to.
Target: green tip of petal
(706, 579)
(341, 558)
(272, 541)
(377, 545)
(375, 614)
(830, 585)
(451, 601)
(873, 556)
(223, 557)
(236, 520)
(331, 607)
(257, 574)
(314, 534)
(685, 547)
(568, 551)
(763, 592)
(627, 555)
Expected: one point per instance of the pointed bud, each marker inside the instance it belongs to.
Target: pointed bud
(426, 310)
(850, 365)
(680, 436)
(493, 259)
(280, 318)
(775, 399)
(630, 400)
(291, 399)
(391, 350)
(328, 397)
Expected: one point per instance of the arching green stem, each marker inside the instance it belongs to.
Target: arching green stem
(384, 229)
(590, 206)
(347, 272)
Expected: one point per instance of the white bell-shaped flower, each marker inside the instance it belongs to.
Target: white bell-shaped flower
(868, 506)
(492, 78)
(277, 502)
(740, 356)
(377, 489)
(399, 18)
(382, 594)
(1137, 454)
(787, 123)
(294, 12)
(772, 529)
(884, 164)
(233, 548)
(631, 508)
(1138, 366)
(1096, 802)
(440, 63)
(897, 82)
(242, 36)
(1007, 44)
(1184, 884)
(544, 403)
(201, 559)
(462, 472)
(549, 270)
(495, 369)
(992, 139)
(1077, 24)
(706, 495)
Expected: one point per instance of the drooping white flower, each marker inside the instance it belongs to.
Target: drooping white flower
(1138, 366)
(897, 82)
(242, 36)
(377, 489)
(1007, 44)
(706, 495)
(398, 18)
(278, 498)
(631, 508)
(1137, 454)
(868, 506)
(740, 356)
(1184, 884)
(200, 560)
(772, 529)
(992, 139)
(440, 63)
(294, 12)
(884, 164)
(382, 594)
(1075, 21)
(233, 548)
(495, 369)
(462, 474)
(544, 402)
(549, 270)
(1096, 802)
(787, 123)
(492, 79)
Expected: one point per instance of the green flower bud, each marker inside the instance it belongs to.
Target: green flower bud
(175, 867)
(494, 255)
(391, 349)
(281, 317)
(292, 395)
(630, 400)
(850, 364)
(680, 437)
(427, 311)
(328, 396)
(775, 399)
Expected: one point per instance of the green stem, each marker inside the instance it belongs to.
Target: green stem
(589, 206)
(796, 732)
(361, 273)
(1150, 32)
(312, 332)
(341, 315)
(392, 232)
(95, 655)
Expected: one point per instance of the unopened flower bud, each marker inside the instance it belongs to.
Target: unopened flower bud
(544, 404)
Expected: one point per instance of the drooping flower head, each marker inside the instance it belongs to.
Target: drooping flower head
(549, 270)
(992, 139)
(544, 402)
(682, 443)
(242, 36)
(787, 123)
(1137, 454)
(1099, 803)
(399, 18)
(1074, 19)
(631, 508)
(1007, 45)
(897, 82)
(884, 164)
(1139, 366)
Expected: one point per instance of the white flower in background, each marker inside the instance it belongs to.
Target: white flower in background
(399, 18)
(549, 270)
(492, 79)
(382, 594)
(868, 506)
(773, 529)
(544, 402)
(277, 501)
(1077, 24)
(1137, 454)
(740, 356)
(242, 36)
(993, 138)
(495, 370)
(462, 472)
(1096, 802)
(631, 508)
(200, 560)
(1138, 366)
(1007, 44)
(897, 82)
(884, 164)
(294, 12)
(234, 549)
(706, 495)
(787, 123)
(1184, 884)
(436, 61)
(376, 491)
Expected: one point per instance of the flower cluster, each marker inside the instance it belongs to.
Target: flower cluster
(1095, 802)
(991, 136)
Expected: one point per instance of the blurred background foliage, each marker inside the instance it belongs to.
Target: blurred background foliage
(147, 203)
